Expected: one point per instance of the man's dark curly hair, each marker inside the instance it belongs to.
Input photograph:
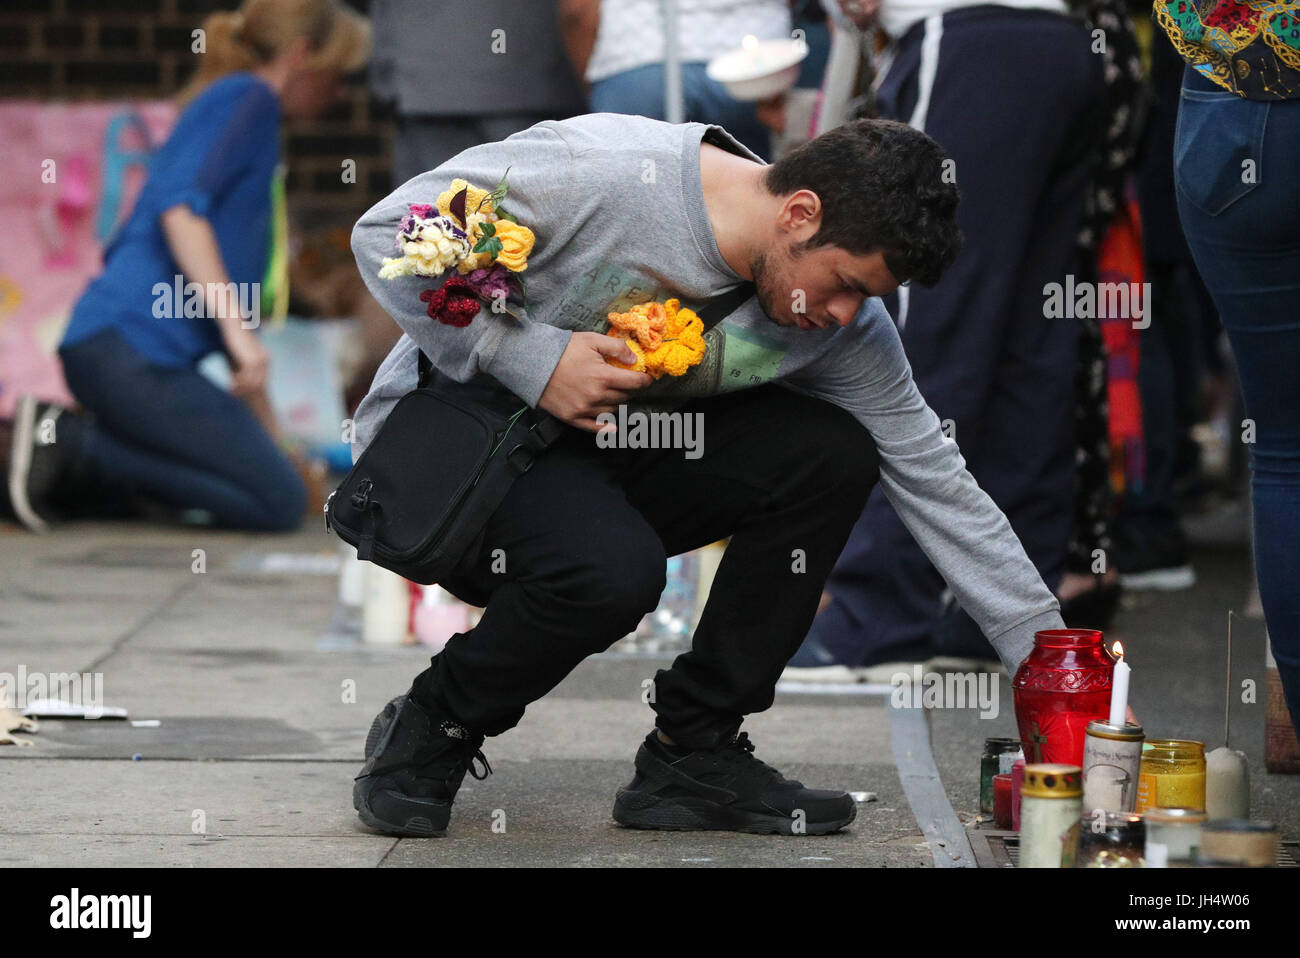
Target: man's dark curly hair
(882, 187)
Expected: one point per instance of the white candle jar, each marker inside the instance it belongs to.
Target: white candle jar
(1050, 802)
(1112, 759)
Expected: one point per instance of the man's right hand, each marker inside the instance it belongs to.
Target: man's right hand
(583, 385)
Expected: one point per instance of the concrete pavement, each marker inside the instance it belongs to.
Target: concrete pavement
(261, 724)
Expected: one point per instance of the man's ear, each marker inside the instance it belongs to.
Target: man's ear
(801, 215)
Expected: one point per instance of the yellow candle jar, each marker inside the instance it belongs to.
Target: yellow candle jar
(1172, 774)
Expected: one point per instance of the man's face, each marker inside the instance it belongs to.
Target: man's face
(819, 287)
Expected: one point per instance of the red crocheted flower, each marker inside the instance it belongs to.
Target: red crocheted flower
(455, 303)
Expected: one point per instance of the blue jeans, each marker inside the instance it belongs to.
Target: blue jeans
(1235, 166)
(173, 436)
(640, 92)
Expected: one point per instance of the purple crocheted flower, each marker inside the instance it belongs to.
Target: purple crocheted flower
(489, 282)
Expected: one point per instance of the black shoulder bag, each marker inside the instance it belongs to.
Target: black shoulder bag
(418, 499)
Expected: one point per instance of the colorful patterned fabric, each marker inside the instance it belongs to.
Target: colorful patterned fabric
(1250, 47)
(1119, 260)
(1104, 210)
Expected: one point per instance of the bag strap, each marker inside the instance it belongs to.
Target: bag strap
(425, 367)
(723, 305)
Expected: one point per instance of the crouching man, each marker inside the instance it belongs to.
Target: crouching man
(807, 401)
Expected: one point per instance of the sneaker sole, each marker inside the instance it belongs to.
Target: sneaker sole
(634, 809)
(20, 464)
(414, 826)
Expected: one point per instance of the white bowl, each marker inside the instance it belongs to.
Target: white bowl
(760, 72)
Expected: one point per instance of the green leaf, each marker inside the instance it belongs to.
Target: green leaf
(508, 216)
(499, 194)
(488, 229)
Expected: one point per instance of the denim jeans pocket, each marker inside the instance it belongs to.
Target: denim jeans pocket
(1218, 143)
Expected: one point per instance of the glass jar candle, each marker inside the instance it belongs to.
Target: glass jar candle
(1240, 842)
(1002, 801)
(1112, 758)
(998, 752)
(1050, 800)
(1110, 840)
(1062, 685)
(1172, 774)
(1173, 835)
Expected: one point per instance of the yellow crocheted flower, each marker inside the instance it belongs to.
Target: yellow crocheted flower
(516, 243)
(666, 338)
(473, 197)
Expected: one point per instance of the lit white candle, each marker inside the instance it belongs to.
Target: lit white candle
(1119, 688)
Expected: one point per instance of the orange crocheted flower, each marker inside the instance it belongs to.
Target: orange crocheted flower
(665, 337)
(645, 323)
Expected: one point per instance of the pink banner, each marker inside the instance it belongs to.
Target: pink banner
(71, 172)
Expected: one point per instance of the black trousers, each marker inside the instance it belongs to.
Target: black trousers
(584, 539)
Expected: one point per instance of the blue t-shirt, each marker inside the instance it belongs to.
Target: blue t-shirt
(219, 161)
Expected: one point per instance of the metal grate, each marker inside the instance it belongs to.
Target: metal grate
(997, 849)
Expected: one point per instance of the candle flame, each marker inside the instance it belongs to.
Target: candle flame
(749, 42)
(1117, 650)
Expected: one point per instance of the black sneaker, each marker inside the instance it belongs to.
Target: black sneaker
(35, 462)
(415, 763)
(725, 788)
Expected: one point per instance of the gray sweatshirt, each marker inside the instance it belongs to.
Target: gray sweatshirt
(617, 206)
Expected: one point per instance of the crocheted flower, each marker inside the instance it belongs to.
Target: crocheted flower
(465, 228)
(516, 243)
(428, 246)
(666, 338)
(638, 365)
(489, 283)
(645, 323)
(473, 198)
(454, 303)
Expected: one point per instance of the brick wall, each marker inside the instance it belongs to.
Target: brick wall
(114, 49)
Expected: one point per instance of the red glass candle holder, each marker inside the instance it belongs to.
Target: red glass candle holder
(1062, 686)
(1002, 800)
